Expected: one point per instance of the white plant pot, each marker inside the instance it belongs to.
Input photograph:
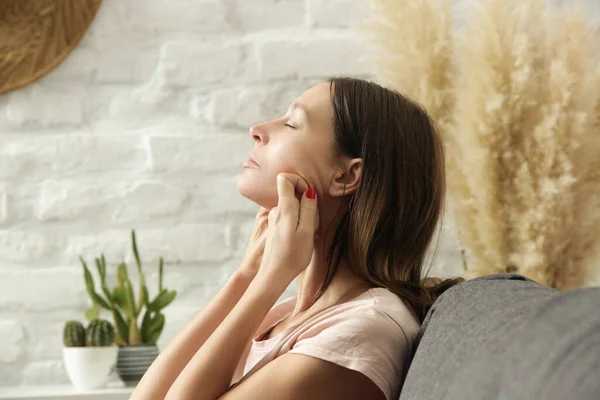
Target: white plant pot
(89, 367)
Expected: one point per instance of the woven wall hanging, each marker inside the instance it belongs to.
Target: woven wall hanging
(36, 35)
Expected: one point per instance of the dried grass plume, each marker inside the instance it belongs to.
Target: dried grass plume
(515, 91)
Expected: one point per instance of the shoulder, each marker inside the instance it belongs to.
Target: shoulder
(374, 329)
(391, 305)
(374, 338)
(378, 312)
(379, 318)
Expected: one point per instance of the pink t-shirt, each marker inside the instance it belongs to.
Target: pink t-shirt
(372, 334)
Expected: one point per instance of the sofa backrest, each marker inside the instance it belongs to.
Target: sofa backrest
(505, 336)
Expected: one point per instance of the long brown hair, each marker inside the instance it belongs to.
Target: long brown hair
(391, 219)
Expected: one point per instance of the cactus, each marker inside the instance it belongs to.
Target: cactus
(121, 301)
(100, 332)
(74, 334)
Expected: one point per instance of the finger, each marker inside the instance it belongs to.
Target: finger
(272, 216)
(300, 184)
(309, 216)
(262, 213)
(287, 201)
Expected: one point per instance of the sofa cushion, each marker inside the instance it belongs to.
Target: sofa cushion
(507, 337)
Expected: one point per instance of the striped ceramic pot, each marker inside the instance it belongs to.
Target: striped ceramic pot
(133, 361)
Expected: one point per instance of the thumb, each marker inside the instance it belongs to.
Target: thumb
(309, 213)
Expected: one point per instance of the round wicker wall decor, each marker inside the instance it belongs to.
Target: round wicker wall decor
(36, 35)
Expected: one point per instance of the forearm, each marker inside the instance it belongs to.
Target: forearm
(172, 360)
(208, 375)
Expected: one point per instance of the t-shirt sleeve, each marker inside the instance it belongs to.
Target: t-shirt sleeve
(369, 342)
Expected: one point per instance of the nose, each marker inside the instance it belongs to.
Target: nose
(258, 133)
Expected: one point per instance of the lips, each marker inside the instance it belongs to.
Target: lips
(251, 162)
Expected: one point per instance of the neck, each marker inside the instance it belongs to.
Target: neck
(343, 284)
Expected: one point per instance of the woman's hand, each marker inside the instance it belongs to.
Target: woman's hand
(291, 230)
(256, 245)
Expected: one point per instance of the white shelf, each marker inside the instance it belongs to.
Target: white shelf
(66, 391)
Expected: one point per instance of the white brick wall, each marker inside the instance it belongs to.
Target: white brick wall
(145, 126)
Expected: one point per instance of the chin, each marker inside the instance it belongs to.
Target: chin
(257, 192)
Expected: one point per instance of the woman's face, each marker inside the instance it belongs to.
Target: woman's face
(300, 142)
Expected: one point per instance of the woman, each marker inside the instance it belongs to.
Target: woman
(351, 184)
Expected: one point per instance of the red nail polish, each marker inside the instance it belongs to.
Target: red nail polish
(310, 193)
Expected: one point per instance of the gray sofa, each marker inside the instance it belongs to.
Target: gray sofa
(507, 337)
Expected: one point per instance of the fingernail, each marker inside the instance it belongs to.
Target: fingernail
(310, 193)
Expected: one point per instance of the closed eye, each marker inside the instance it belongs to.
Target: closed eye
(290, 126)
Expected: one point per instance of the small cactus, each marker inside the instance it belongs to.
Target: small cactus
(100, 332)
(74, 334)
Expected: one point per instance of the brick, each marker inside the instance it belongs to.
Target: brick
(12, 345)
(119, 202)
(218, 196)
(113, 244)
(125, 61)
(3, 205)
(17, 202)
(186, 243)
(199, 105)
(31, 157)
(258, 15)
(45, 336)
(26, 246)
(49, 346)
(193, 63)
(147, 200)
(198, 154)
(9, 375)
(285, 59)
(153, 101)
(236, 108)
(48, 372)
(43, 289)
(84, 154)
(41, 106)
(110, 20)
(244, 231)
(203, 242)
(327, 13)
(81, 65)
(243, 107)
(18, 156)
(190, 16)
(70, 200)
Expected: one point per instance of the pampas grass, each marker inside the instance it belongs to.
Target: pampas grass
(516, 95)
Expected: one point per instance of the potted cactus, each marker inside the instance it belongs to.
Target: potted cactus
(136, 341)
(89, 354)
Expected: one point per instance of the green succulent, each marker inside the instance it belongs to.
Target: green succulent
(121, 301)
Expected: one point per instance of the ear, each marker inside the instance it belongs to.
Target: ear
(346, 179)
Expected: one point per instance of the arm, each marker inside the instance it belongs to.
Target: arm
(300, 377)
(288, 250)
(172, 360)
(168, 365)
(209, 373)
(289, 377)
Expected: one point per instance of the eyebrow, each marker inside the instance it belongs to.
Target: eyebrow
(301, 107)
